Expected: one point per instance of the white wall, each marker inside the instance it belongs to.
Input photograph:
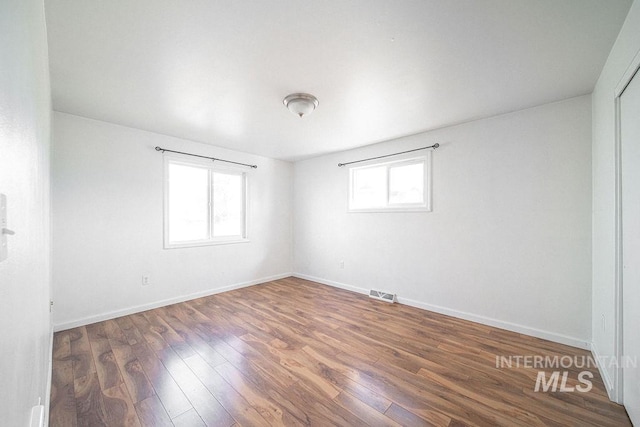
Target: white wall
(625, 48)
(508, 242)
(107, 189)
(25, 110)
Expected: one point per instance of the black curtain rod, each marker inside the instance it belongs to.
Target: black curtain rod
(205, 157)
(436, 145)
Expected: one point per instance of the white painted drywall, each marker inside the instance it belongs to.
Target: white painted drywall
(207, 71)
(25, 113)
(107, 189)
(509, 239)
(604, 137)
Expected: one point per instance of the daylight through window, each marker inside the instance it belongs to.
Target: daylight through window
(203, 204)
(402, 185)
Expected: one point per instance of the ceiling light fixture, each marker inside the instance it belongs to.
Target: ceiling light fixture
(300, 104)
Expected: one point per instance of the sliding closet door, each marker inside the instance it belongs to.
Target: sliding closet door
(630, 156)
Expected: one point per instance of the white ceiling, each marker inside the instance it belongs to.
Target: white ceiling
(216, 71)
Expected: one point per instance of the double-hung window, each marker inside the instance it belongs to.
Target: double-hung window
(402, 185)
(204, 204)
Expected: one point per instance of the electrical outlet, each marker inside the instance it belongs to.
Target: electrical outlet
(145, 281)
(604, 324)
(341, 264)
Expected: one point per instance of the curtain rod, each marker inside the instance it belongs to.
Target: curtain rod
(434, 146)
(205, 157)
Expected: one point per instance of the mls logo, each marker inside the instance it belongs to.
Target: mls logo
(552, 383)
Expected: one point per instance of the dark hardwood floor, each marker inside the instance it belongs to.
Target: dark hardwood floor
(294, 352)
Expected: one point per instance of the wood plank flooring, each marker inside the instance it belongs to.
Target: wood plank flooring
(293, 352)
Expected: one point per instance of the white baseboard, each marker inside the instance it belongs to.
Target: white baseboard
(501, 324)
(332, 283)
(551, 336)
(608, 383)
(47, 397)
(514, 327)
(143, 307)
(37, 416)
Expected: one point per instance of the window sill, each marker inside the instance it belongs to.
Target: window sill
(389, 210)
(205, 243)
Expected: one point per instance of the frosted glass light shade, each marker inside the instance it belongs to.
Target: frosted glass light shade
(300, 104)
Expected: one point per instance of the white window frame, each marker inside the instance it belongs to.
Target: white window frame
(212, 167)
(407, 207)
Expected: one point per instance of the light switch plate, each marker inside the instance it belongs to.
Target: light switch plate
(4, 250)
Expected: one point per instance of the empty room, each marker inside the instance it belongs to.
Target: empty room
(320, 213)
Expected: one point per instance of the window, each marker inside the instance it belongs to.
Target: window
(402, 185)
(204, 204)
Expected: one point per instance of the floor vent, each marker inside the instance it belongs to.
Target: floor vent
(382, 296)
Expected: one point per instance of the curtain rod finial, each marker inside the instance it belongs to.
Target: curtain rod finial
(436, 145)
(340, 165)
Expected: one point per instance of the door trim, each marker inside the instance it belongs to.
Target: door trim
(618, 386)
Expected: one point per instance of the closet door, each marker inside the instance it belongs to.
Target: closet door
(630, 156)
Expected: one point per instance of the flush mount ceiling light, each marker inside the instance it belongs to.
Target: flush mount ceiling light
(300, 104)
